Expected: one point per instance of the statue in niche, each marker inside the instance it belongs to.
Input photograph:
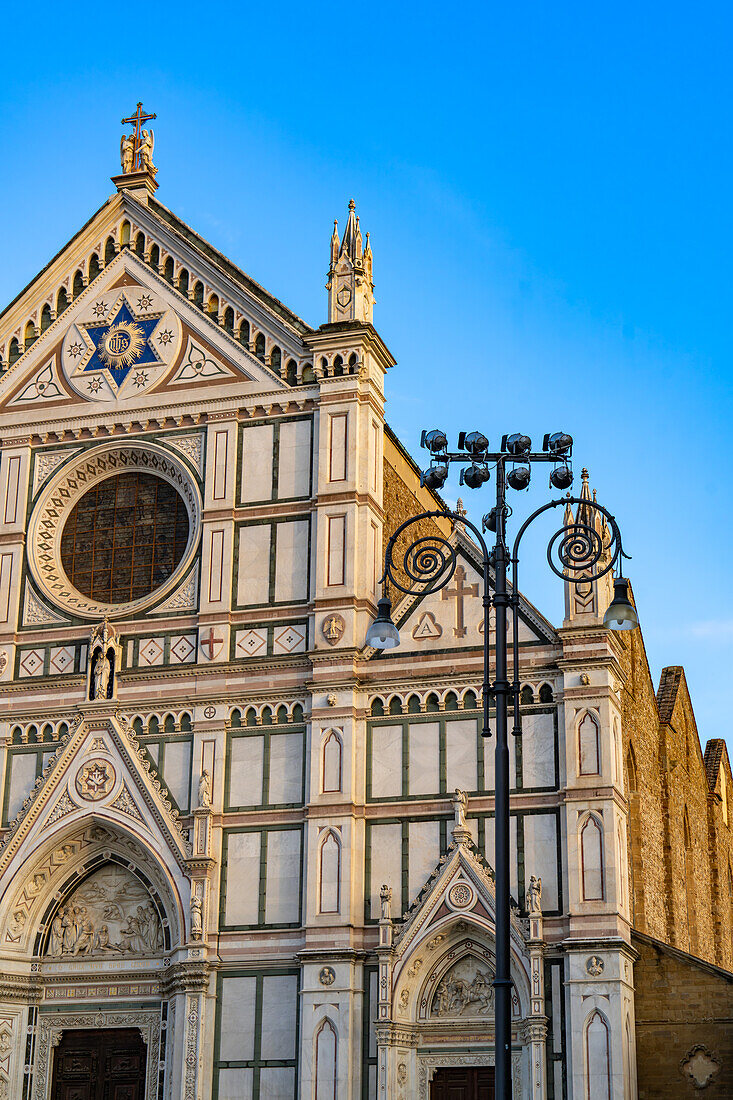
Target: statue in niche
(56, 940)
(111, 913)
(104, 659)
(101, 676)
(197, 924)
(460, 805)
(534, 895)
(205, 789)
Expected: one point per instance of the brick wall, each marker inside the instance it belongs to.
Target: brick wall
(680, 1003)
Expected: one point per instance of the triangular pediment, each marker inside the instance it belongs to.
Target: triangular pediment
(146, 245)
(443, 957)
(99, 770)
(129, 336)
(460, 887)
(452, 617)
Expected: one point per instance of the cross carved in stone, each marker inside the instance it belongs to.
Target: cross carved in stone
(459, 592)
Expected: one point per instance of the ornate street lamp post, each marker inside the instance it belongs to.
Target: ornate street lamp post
(428, 564)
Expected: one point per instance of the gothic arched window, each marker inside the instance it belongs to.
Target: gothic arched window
(589, 749)
(591, 859)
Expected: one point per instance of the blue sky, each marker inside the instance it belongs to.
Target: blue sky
(548, 190)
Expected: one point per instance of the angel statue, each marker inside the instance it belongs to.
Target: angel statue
(534, 895)
(127, 153)
(147, 144)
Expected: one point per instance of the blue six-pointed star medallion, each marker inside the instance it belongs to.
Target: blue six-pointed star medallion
(121, 343)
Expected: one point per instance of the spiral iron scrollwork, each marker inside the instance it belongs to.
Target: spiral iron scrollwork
(429, 562)
(579, 548)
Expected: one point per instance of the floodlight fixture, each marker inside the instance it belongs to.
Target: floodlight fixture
(435, 477)
(516, 444)
(518, 477)
(559, 443)
(436, 441)
(562, 476)
(475, 475)
(475, 443)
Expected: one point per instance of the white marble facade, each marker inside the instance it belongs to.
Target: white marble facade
(249, 910)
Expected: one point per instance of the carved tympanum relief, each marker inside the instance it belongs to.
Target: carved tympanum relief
(466, 990)
(110, 914)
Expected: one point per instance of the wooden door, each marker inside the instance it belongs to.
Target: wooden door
(99, 1065)
(464, 1083)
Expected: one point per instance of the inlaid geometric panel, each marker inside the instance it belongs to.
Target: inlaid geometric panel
(251, 643)
(183, 649)
(151, 651)
(31, 662)
(289, 639)
(61, 659)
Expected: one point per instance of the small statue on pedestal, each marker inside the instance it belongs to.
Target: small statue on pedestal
(385, 896)
(205, 789)
(197, 925)
(534, 896)
(460, 805)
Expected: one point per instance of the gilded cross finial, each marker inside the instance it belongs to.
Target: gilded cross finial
(136, 149)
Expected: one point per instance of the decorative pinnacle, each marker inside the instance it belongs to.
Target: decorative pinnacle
(352, 204)
(584, 474)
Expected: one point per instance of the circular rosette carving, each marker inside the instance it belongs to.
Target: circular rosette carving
(95, 780)
(460, 896)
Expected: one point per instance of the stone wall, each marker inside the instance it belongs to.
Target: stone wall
(684, 1010)
(680, 844)
(404, 497)
(641, 752)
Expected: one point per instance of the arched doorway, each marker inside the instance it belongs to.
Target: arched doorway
(463, 1083)
(93, 918)
(98, 1064)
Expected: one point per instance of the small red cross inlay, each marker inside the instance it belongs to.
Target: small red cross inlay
(208, 642)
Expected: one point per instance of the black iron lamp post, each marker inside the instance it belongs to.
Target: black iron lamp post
(429, 563)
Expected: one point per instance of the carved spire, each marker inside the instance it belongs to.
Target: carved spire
(590, 597)
(350, 288)
(585, 514)
(335, 243)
